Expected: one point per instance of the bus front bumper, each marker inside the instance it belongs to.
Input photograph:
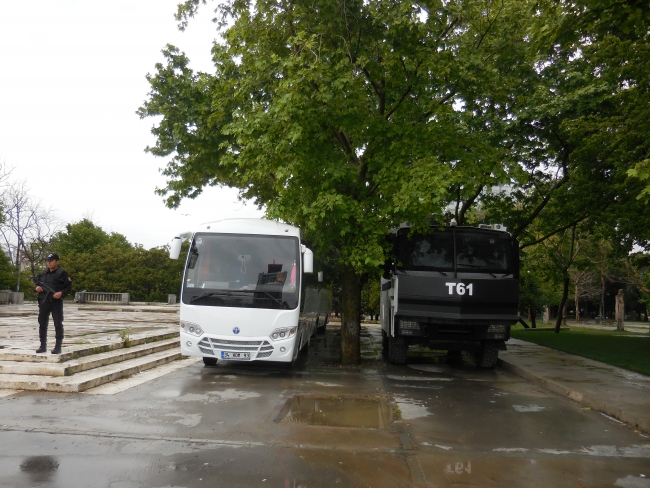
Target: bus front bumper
(239, 349)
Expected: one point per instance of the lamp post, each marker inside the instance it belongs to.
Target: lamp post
(18, 264)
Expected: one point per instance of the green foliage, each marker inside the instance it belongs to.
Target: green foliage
(85, 237)
(611, 347)
(371, 296)
(7, 273)
(125, 336)
(339, 117)
(98, 261)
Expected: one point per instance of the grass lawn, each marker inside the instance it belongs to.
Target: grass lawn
(612, 347)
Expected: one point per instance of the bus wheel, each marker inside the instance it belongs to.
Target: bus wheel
(209, 361)
(397, 350)
(384, 340)
(487, 356)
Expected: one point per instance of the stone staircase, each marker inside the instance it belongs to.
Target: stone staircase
(81, 367)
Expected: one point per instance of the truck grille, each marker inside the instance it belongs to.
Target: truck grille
(211, 346)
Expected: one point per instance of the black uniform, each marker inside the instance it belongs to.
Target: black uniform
(59, 281)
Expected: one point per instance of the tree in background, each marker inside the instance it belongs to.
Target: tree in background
(26, 228)
(85, 237)
(371, 297)
(99, 261)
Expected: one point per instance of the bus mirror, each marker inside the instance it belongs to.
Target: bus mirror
(308, 261)
(320, 276)
(175, 248)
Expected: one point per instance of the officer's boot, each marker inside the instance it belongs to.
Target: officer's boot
(57, 347)
(42, 335)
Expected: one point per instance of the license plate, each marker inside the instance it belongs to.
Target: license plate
(235, 355)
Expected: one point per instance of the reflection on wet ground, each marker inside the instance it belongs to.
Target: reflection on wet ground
(338, 411)
(318, 425)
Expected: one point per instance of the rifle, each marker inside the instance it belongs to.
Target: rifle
(50, 291)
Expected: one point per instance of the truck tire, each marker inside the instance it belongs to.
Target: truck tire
(397, 350)
(209, 361)
(487, 356)
(455, 358)
(384, 340)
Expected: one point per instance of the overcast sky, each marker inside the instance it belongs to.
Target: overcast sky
(72, 75)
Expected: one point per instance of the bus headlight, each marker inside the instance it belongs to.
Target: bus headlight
(191, 328)
(283, 333)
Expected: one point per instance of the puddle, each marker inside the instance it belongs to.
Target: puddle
(39, 468)
(528, 408)
(368, 413)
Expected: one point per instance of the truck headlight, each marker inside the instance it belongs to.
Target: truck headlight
(191, 328)
(497, 331)
(409, 325)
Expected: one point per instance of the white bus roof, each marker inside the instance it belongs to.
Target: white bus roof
(249, 226)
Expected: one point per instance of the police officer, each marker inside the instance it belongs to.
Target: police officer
(52, 303)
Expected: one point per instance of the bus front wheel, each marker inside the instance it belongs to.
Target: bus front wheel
(209, 361)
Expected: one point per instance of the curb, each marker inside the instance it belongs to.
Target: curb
(576, 396)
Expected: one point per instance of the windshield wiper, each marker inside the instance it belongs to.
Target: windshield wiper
(206, 295)
(276, 300)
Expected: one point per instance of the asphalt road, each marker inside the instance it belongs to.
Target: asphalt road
(318, 425)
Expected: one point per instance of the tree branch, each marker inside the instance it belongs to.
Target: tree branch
(468, 203)
(565, 177)
(551, 234)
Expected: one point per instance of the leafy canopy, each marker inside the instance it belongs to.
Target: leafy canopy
(343, 117)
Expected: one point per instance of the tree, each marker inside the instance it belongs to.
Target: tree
(26, 229)
(344, 118)
(99, 261)
(85, 237)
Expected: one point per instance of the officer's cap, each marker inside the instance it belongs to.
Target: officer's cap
(52, 256)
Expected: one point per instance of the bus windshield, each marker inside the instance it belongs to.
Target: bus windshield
(235, 270)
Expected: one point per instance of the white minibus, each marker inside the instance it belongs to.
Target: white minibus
(241, 291)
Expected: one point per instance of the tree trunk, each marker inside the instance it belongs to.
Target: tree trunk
(561, 311)
(620, 311)
(533, 322)
(577, 300)
(350, 318)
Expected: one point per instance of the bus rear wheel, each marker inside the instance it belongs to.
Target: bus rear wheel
(384, 340)
(209, 361)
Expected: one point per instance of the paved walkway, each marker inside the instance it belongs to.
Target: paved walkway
(84, 325)
(617, 392)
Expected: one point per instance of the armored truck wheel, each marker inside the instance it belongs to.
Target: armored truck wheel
(487, 356)
(209, 361)
(397, 350)
(455, 358)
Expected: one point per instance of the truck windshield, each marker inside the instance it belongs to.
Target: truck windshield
(251, 271)
(476, 250)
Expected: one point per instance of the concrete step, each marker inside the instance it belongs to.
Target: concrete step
(75, 351)
(88, 379)
(86, 363)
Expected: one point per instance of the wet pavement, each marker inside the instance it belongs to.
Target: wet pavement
(425, 424)
(618, 392)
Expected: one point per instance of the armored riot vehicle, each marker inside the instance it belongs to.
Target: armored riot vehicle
(454, 288)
